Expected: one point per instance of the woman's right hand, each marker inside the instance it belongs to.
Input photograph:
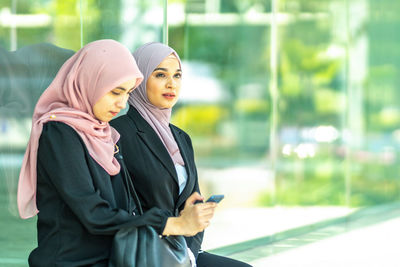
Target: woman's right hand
(193, 218)
(196, 217)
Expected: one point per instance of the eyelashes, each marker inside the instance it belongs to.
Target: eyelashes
(162, 75)
(118, 93)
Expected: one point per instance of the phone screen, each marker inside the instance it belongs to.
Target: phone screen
(215, 198)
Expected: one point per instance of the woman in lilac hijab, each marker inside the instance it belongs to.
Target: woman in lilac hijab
(159, 156)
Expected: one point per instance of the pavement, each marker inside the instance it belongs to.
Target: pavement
(368, 237)
(373, 246)
(235, 225)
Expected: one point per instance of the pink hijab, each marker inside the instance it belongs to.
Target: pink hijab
(84, 78)
(148, 57)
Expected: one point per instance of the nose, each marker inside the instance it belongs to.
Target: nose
(171, 83)
(121, 103)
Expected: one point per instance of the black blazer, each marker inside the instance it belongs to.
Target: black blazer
(152, 169)
(80, 205)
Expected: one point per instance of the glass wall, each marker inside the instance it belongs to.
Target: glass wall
(304, 90)
(290, 104)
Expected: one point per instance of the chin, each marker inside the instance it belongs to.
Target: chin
(170, 105)
(164, 105)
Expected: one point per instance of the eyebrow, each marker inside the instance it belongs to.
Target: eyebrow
(165, 69)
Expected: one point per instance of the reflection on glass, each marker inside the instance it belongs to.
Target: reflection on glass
(132, 22)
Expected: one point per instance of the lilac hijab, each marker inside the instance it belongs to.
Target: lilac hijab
(148, 57)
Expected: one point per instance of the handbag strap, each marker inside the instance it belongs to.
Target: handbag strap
(129, 184)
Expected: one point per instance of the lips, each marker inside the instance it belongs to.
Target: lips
(169, 95)
(113, 113)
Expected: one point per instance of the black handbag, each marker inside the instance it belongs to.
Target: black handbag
(143, 247)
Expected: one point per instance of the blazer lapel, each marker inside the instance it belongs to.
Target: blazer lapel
(184, 153)
(153, 142)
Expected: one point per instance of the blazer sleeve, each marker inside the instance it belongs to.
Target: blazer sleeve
(62, 154)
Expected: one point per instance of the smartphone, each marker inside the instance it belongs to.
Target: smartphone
(215, 198)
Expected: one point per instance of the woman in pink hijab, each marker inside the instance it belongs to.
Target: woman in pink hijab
(159, 156)
(71, 175)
